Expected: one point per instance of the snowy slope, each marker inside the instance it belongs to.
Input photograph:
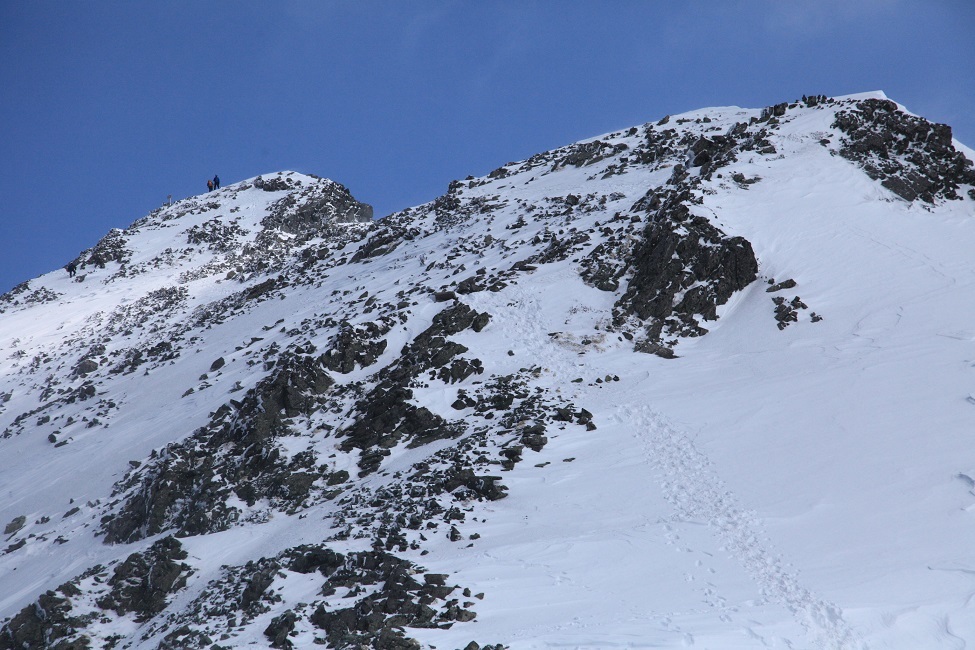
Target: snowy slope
(574, 403)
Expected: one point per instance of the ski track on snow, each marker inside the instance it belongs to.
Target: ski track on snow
(692, 486)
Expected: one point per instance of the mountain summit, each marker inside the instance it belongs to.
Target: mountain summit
(708, 381)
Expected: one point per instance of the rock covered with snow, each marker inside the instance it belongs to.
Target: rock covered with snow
(257, 416)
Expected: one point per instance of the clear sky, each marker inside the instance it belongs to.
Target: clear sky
(108, 107)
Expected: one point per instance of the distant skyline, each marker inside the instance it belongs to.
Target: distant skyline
(109, 107)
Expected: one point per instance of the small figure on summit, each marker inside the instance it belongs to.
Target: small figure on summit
(209, 186)
(216, 182)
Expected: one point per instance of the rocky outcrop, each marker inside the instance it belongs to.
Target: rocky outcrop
(139, 586)
(186, 487)
(386, 414)
(46, 625)
(910, 156)
(355, 346)
(399, 600)
(306, 211)
(143, 582)
(683, 269)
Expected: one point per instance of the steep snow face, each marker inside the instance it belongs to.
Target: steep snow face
(699, 382)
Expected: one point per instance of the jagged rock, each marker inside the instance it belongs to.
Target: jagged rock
(779, 286)
(483, 487)
(187, 488)
(337, 478)
(444, 296)
(588, 153)
(260, 289)
(383, 242)
(279, 628)
(787, 312)
(142, 583)
(85, 367)
(386, 414)
(910, 156)
(355, 346)
(44, 625)
(16, 524)
(683, 253)
(398, 601)
(261, 577)
(277, 184)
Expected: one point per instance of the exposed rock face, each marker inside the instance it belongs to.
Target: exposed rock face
(682, 270)
(910, 156)
(139, 586)
(355, 347)
(589, 153)
(186, 487)
(45, 625)
(305, 212)
(142, 583)
(400, 601)
(386, 414)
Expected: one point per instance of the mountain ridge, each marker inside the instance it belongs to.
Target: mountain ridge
(364, 394)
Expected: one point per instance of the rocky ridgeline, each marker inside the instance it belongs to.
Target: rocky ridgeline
(910, 156)
(312, 412)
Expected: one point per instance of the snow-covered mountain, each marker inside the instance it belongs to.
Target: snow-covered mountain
(708, 381)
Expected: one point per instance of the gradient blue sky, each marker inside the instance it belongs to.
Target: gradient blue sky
(108, 107)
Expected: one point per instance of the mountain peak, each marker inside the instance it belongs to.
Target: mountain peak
(258, 416)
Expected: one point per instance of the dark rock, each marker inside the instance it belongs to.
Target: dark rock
(587, 153)
(187, 487)
(786, 284)
(533, 438)
(279, 628)
(337, 478)
(479, 487)
(260, 289)
(383, 242)
(355, 346)
(682, 253)
(910, 156)
(16, 524)
(258, 582)
(142, 583)
(44, 625)
(444, 296)
(276, 184)
(386, 414)
(85, 367)
(397, 601)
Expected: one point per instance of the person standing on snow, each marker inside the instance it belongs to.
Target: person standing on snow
(209, 186)
(216, 182)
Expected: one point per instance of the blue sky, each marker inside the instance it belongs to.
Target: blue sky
(108, 107)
